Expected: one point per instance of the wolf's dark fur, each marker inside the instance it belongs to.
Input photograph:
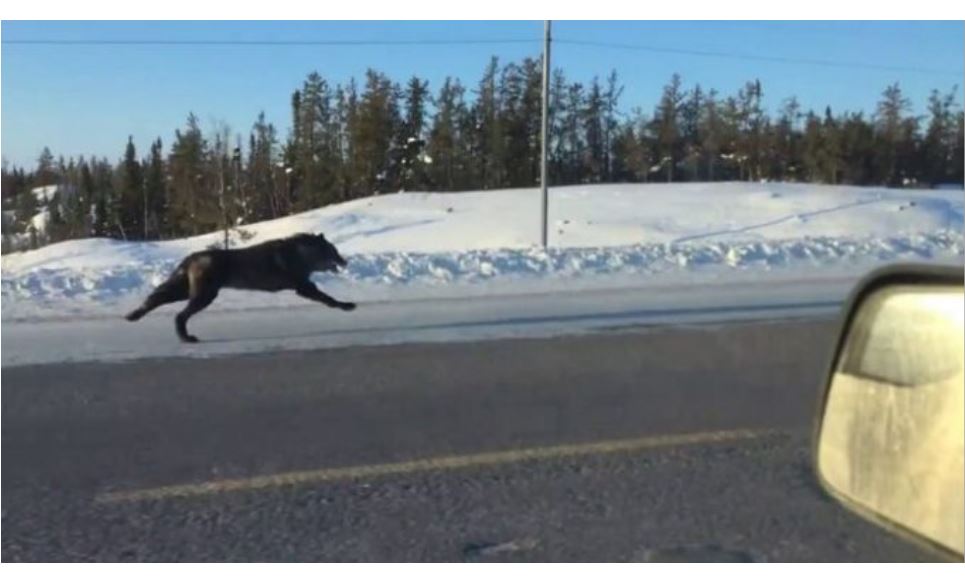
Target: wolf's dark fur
(284, 264)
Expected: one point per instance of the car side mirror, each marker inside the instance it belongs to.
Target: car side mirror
(890, 435)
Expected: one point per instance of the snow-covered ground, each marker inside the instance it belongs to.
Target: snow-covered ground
(429, 267)
(417, 245)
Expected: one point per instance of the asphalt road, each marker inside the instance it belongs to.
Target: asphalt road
(677, 443)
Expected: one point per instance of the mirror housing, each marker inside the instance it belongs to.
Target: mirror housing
(890, 433)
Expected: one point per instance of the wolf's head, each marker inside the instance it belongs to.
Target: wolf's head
(319, 253)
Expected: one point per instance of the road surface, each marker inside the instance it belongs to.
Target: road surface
(630, 444)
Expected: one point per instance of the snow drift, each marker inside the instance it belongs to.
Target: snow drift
(485, 241)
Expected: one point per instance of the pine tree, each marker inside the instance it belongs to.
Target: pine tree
(241, 187)
(347, 114)
(86, 198)
(957, 172)
(7, 183)
(909, 145)
(631, 157)
(488, 132)
(751, 128)
(813, 144)
(857, 150)
(56, 229)
(261, 170)
(938, 146)
(831, 153)
(520, 91)
(217, 166)
(374, 131)
(557, 115)
(711, 133)
(411, 140)
(611, 101)
(594, 162)
(292, 153)
(573, 140)
(445, 137)
(315, 145)
(129, 212)
(666, 126)
(155, 194)
(466, 160)
(416, 97)
(45, 173)
(193, 204)
(732, 155)
(26, 209)
(691, 132)
(76, 204)
(104, 199)
(785, 144)
(890, 132)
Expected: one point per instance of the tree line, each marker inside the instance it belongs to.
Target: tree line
(353, 140)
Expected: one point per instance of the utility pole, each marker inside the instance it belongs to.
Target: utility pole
(221, 197)
(544, 170)
(240, 196)
(144, 200)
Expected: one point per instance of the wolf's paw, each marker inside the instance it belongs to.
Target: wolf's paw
(347, 306)
(190, 338)
(134, 315)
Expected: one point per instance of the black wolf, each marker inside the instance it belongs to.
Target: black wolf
(284, 264)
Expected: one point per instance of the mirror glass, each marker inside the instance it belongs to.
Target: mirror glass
(893, 432)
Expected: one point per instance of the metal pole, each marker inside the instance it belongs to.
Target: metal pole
(221, 198)
(544, 171)
(144, 198)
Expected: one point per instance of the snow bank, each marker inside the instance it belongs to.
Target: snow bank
(641, 233)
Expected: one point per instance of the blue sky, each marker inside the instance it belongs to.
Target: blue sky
(83, 99)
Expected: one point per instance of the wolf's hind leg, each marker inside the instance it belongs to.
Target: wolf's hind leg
(195, 304)
(174, 289)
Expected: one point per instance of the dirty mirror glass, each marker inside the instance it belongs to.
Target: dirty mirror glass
(892, 435)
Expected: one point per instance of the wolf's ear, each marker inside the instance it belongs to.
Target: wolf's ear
(321, 236)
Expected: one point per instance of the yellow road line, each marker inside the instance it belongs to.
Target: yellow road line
(292, 478)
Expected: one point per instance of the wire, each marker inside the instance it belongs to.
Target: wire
(756, 57)
(161, 42)
(479, 41)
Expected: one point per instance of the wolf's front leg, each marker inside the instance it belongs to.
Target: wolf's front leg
(310, 291)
